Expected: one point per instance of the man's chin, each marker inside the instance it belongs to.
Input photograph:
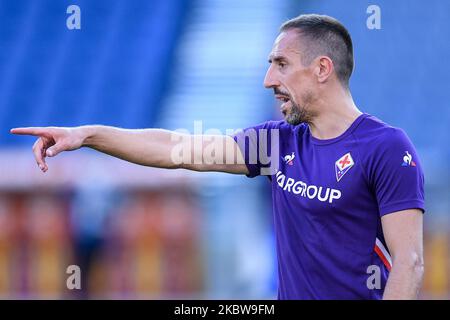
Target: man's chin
(292, 121)
(293, 116)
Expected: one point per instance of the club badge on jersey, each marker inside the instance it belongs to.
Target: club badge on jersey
(342, 165)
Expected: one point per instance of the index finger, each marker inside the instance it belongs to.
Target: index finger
(35, 131)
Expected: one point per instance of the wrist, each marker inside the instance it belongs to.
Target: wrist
(87, 135)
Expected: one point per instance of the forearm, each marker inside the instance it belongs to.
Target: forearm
(148, 147)
(404, 282)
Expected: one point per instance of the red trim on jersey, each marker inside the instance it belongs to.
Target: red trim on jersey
(383, 258)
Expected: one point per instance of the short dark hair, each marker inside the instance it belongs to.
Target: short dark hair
(325, 36)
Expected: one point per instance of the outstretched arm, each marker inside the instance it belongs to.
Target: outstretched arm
(149, 147)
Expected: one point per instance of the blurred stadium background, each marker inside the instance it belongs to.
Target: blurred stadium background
(139, 232)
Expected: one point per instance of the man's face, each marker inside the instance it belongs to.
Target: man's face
(292, 82)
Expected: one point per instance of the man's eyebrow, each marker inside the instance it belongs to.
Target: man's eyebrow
(276, 59)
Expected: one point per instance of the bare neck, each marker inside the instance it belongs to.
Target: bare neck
(335, 114)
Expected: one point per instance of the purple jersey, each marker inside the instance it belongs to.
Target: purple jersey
(328, 200)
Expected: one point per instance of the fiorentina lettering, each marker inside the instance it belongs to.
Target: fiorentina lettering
(308, 191)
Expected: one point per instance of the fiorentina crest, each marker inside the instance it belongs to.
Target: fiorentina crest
(343, 165)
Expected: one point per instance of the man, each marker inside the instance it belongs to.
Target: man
(347, 188)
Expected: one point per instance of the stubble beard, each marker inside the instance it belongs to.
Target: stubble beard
(298, 114)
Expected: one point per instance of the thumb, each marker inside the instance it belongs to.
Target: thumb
(54, 150)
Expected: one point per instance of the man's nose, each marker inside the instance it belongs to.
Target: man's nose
(270, 80)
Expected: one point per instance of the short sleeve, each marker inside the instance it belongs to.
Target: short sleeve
(396, 174)
(259, 146)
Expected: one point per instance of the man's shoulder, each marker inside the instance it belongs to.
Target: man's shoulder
(379, 141)
(374, 132)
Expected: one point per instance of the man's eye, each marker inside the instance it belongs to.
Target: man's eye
(281, 65)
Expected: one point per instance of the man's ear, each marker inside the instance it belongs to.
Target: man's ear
(324, 68)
